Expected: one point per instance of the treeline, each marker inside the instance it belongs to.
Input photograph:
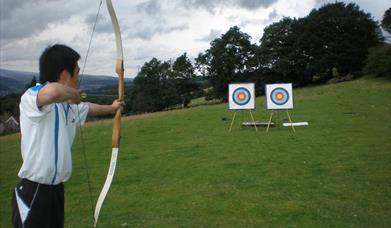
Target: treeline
(161, 84)
(9, 104)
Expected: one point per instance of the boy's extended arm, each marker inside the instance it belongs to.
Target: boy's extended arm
(97, 109)
(55, 93)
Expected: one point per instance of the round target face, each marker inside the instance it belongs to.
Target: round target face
(241, 96)
(279, 96)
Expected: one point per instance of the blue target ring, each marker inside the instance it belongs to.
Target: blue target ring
(279, 96)
(241, 96)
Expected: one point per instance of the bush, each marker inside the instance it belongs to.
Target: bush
(378, 63)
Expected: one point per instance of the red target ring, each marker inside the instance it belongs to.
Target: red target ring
(279, 96)
(241, 96)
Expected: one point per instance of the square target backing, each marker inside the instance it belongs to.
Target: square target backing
(279, 96)
(241, 96)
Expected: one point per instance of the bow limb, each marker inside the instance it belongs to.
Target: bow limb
(119, 68)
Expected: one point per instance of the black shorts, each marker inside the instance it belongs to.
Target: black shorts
(37, 205)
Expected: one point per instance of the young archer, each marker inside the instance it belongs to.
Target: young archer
(49, 115)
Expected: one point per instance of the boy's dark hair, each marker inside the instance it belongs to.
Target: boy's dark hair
(54, 60)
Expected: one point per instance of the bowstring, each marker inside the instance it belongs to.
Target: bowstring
(78, 111)
(89, 44)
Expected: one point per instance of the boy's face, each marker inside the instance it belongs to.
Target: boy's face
(70, 80)
(74, 81)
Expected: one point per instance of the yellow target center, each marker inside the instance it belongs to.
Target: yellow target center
(280, 96)
(241, 96)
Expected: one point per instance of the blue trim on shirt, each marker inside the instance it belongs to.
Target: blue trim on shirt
(66, 111)
(37, 87)
(56, 126)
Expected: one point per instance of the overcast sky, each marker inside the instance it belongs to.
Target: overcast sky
(164, 29)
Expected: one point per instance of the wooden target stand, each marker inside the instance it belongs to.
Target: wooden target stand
(241, 96)
(271, 117)
(233, 120)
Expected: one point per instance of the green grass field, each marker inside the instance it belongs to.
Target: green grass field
(182, 168)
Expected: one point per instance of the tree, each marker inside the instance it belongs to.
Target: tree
(386, 22)
(184, 78)
(335, 37)
(339, 36)
(229, 59)
(152, 88)
(10, 104)
(378, 63)
(280, 57)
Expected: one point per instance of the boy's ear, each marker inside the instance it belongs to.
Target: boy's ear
(63, 76)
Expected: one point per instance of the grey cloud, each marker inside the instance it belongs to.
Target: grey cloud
(213, 34)
(203, 3)
(151, 7)
(7, 7)
(175, 28)
(90, 19)
(255, 4)
(26, 18)
(211, 6)
(159, 26)
(103, 23)
(214, 5)
(22, 55)
(273, 15)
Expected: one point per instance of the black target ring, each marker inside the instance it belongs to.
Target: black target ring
(279, 96)
(241, 96)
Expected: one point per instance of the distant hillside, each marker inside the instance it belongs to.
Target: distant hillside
(16, 81)
(101, 84)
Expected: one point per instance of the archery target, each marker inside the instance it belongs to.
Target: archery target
(279, 96)
(241, 96)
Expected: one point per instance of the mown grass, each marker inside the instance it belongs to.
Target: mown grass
(183, 168)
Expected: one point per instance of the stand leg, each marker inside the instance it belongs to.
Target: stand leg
(290, 120)
(270, 120)
(232, 122)
(252, 117)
